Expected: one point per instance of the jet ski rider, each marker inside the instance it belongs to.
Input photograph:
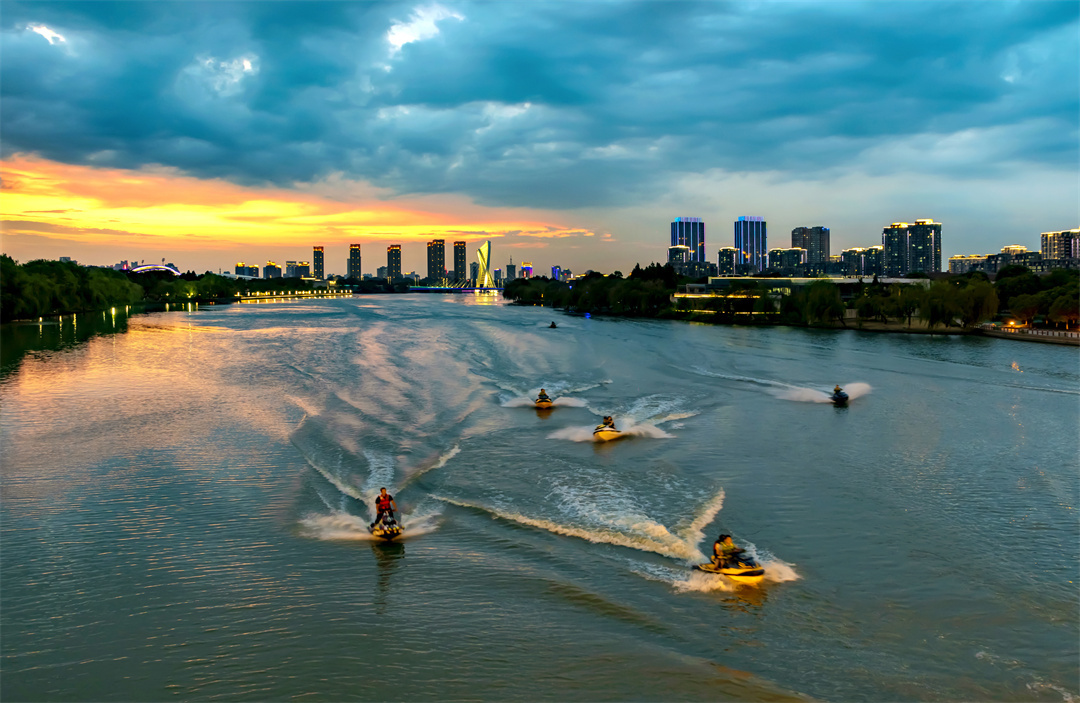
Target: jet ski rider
(608, 424)
(543, 395)
(838, 389)
(384, 507)
(724, 551)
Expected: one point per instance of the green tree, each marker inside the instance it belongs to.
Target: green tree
(1065, 309)
(823, 302)
(1025, 307)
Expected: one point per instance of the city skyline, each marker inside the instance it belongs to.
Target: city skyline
(251, 131)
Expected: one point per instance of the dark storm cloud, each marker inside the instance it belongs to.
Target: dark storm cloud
(542, 104)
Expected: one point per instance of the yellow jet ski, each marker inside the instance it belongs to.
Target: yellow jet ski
(544, 402)
(742, 568)
(605, 433)
(387, 530)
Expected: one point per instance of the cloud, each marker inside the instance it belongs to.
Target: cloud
(544, 105)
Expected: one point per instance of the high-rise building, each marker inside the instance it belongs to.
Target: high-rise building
(787, 261)
(859, 261)
(1061, 245)
(556, 273)
(911, 247)
(243, 269)
(511, 271)
(725, 261)
(689, 232)
(526, 269)
(498, 278)
(393, 262)
(353, 267)
(815, 240)
(461, 259)
(297, 269)
(474, 272)
(380, 272)
(678, 254)
(317, 258)
(436, 259)
(964, 263)
(271, 270)
(750, 242)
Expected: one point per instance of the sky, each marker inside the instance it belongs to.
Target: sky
(567, 133)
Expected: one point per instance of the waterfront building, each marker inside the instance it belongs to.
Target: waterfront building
(678, 255)
(243, 269)
(750, 243)
(526, 269)
(393, 262)
(860, 261)
(498, 278)
(725, 261)
(689, 232)
(1060, 245)
(787, 261)
(483, 269)
(967, 262)
(911, 247)
(556, 273)
(511, 271)
(815, 240)
(461, 260)
(317, 259)
(271, 270)
(297, 269)
(436, 260)
(380, 272)
(353, 266)
(474, 272)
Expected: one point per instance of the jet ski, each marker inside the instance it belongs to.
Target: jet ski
(544, 402)
(605, 433)
(388, 529)
(839, 398)
(742, 568)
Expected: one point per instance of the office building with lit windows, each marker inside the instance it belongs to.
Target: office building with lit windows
(271, 270)
(461, 261)
(393, 262)
(297, 269)
(908, 248)
(725, 261)
(436, 259)
(815, 240)
(787, 261)
(526, 269)
(243, 269)
(750, 243)
(317, 260)
(689, 232)
(1060, 245)
(353, 267)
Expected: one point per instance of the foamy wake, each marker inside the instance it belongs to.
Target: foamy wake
(812, 395)
(439, 462)
(340, 525)
(629, 429)
(635, 532)
(528, 402)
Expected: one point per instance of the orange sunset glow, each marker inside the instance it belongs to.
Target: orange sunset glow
(163, 211)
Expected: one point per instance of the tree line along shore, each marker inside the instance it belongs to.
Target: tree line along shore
(955, 304)
(950, 304)
(43, 287)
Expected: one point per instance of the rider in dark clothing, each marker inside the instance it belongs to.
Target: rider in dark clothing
(543, 395)
(384, 508)
(724, 550)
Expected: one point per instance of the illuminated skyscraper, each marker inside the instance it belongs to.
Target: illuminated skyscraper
(393, 262)
(460, 261)
(908, 248)
(556, 273)
(725, 261)
(689, 232)
(750, 242)
(1061, 245)
(317, 259)
(436, 260)
(815, 240)
(511, 270)
(243, 269)
(526, 269)
(353, 267)
(271, 270)
(297, 269)
(483, 275)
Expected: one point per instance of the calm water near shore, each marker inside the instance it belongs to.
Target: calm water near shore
(185, 506)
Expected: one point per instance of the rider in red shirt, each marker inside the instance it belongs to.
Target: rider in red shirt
(384, 507)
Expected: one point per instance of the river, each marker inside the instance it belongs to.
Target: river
(185, 504)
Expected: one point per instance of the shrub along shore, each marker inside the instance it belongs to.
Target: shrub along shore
(952, 305)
